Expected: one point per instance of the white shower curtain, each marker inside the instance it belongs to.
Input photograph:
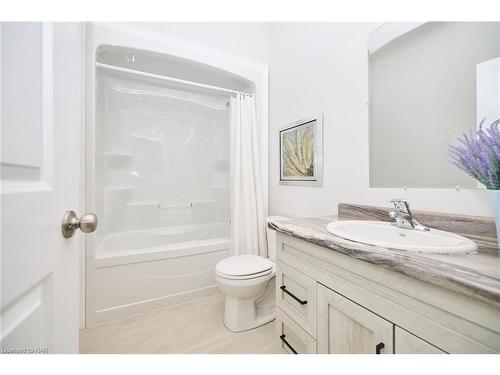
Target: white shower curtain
(248, 222)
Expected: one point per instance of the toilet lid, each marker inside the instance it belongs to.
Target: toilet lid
(244, 265)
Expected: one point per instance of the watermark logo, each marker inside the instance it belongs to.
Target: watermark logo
(25, 350)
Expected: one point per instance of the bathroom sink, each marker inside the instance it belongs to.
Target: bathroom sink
(388, 235)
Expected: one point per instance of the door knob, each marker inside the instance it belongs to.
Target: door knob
(87, 223)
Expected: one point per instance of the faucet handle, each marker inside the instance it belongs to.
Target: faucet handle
(401, 205)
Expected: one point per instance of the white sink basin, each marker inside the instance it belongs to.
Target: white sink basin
(385, 234)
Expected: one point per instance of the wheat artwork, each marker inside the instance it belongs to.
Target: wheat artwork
(298, 152)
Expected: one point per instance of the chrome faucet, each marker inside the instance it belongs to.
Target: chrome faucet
(403, 217)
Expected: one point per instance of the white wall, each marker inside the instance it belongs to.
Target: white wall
(244, 40)
(322, 67)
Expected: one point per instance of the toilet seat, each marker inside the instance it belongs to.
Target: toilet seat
(243, 267)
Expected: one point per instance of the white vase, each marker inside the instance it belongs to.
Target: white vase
(494, 196)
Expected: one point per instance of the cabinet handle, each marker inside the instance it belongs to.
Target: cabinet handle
(379, 347)
(283, 288)
(282, 337)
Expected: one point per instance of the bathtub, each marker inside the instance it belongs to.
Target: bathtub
(162, 243)
(138, 271)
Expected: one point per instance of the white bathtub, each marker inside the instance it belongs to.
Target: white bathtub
(138, 271)
(162, 243)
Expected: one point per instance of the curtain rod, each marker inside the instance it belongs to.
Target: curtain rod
(169, 79)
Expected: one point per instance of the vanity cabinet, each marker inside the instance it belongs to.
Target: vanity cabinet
(328, 302)
(345, 327)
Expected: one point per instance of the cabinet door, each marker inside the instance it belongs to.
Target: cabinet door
(406, 343)
(345, 327)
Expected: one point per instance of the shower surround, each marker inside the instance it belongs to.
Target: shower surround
(158, 176)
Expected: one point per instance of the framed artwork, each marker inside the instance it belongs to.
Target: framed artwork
(301, 153)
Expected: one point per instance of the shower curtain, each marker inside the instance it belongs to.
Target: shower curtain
(248, 221)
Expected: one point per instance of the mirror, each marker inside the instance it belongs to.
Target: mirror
(429, 83)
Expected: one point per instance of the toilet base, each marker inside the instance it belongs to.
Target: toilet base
(242, 315)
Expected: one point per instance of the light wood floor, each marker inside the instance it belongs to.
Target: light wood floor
(193, 327)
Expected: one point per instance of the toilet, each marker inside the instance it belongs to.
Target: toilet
(248, 282)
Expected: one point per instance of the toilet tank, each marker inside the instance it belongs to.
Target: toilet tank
(271, 236)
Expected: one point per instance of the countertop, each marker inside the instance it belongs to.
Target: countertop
(476, 275)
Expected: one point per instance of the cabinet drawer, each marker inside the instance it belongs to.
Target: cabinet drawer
(296, 296)
(406, 343)
(294, 339)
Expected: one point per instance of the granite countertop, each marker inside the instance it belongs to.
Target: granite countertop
(476, 275)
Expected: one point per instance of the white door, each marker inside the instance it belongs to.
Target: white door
(41, 176)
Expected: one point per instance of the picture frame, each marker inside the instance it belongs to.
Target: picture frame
(301, 152)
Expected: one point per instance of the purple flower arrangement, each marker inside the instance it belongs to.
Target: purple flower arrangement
(478, 155)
